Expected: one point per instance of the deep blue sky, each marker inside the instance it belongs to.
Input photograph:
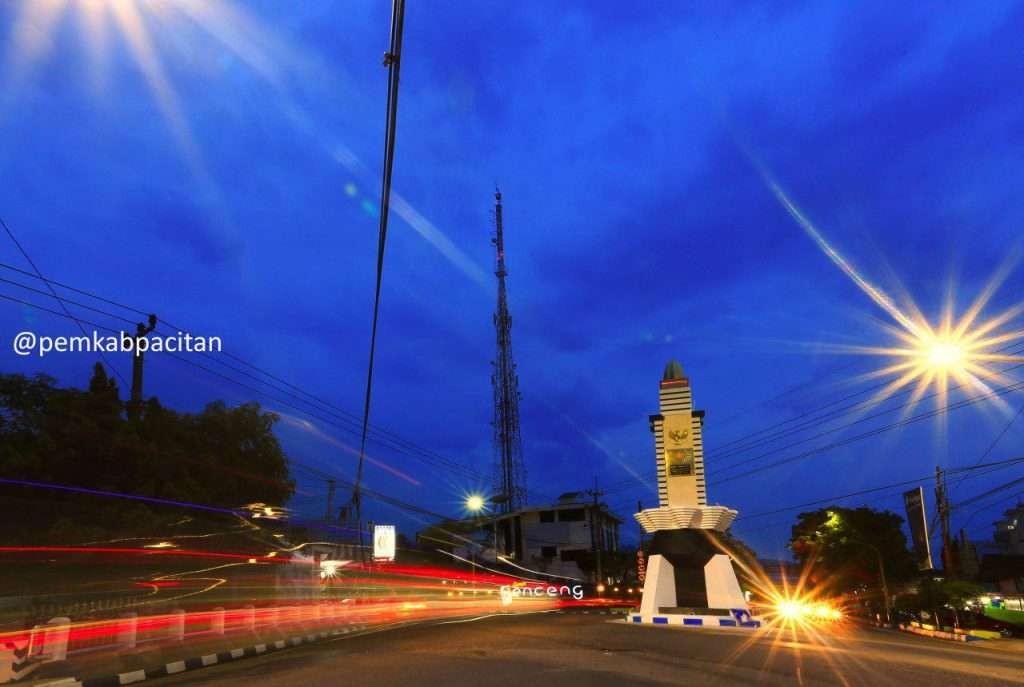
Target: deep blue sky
(638, 228)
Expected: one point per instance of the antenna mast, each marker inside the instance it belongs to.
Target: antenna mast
(510, 477)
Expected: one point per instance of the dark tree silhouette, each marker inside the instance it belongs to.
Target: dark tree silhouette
(223, 457)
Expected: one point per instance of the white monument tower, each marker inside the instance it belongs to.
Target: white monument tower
(690, 581)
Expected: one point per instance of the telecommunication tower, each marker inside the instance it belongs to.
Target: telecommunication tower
(510, 473)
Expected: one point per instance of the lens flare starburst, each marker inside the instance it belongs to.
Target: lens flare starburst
(954, 353)
(185, 27)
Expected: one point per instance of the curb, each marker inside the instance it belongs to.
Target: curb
(196, 662)
(940, 634)
(693, 621)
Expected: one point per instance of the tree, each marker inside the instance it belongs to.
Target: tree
(932, 595)
(928, 599)
(224, 457)
(846, 549)
(958, 593)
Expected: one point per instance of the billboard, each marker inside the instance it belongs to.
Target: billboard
(917, 518)
(383, 542)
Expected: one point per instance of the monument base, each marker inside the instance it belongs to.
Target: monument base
(746, 623)
(689, 582)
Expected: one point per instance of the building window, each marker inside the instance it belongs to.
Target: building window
(572, 555)
(547, 551)
(547, 516)
(571, 515)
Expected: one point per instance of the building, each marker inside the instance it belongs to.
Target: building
(1009, 532)
(1002, 563)
(566, 538)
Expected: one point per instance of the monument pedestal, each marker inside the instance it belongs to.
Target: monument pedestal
(691, 582)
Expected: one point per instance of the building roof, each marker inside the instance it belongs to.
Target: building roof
(563, 505)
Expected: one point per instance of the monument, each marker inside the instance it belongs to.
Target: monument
(689, 580)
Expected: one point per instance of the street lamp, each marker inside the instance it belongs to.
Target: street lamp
(476, 503)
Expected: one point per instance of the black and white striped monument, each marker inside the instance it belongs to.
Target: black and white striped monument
(690, 578)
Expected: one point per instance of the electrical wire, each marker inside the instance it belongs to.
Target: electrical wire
(345, 420)
(393, 62)
(816, 417)
(864, 435)
(64, 307)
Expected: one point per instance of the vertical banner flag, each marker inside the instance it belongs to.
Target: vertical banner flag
(918, 521)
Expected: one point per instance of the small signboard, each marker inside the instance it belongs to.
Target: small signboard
(383, 542)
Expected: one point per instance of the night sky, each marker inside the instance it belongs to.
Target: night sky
(220, 167)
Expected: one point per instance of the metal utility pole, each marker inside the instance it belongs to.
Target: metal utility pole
(330, 500)
(886, 598)
(597, 531)
(135, 400)
(942, 503)
(510, 475)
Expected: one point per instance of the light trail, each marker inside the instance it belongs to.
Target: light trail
(119, 495)
(316, 432)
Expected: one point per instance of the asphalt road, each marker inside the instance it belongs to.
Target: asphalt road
(548, 649)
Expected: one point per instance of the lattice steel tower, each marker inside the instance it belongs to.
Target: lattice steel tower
(510, 473)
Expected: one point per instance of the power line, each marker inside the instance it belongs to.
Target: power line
(52, 291)
(1019, 496)
(995, 441)
(988, 466)
(916, 418)
(786, 392)
(83, 292)
(816, 417)
(728, 448)
(392, 59)
(817, 420)
(337, 416)
(66, 300)
(345, 420)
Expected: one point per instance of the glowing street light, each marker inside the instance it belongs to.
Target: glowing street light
(929, 355)
(475, 503)
(945, 355)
